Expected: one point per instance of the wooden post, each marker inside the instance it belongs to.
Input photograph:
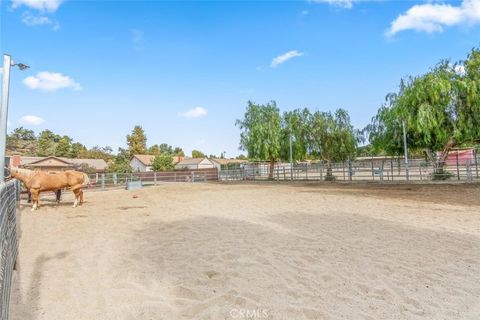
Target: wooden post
(103, 181)
(155, 178)
(114, 176)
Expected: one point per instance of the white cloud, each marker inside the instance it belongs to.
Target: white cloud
(433, 17)
(33, 20)
(49, 81)
(195, 113)
(347, 4)
(285, 57)
(31, 120)
(305, 12)
(40, 5)
(1, 70)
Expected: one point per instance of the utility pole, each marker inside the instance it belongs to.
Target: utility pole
(406, 149)
(7, 64)
(7, 61)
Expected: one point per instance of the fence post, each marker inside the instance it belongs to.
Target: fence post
(174, 177)
(306, 171)
(343, 169)
(321, 169)
(114, 176)
(391, 166)
(350, 173)
(458, 169)
(96, 177)
(103, 181)
(373, 173)
(193, 176)
(155, 177)
(476, 166)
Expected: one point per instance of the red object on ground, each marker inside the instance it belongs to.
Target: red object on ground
(134, 196)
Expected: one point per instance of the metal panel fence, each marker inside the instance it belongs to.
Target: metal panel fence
(374, 169)
(9, 195)
(112, 180)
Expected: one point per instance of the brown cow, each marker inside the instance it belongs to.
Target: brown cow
(38, 181)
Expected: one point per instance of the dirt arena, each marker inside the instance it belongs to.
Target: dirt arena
(253, 251)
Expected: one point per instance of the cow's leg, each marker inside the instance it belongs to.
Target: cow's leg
(58, 194)
(81, 196)
(76, 193)
(35, 195)
(29, 197)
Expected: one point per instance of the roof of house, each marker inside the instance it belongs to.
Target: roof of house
(147, 159)
(98, 164)
(49, 161)
(221, 161)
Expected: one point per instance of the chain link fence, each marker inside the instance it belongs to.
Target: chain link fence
(9, 197)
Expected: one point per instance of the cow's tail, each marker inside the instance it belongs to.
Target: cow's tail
(86, 180)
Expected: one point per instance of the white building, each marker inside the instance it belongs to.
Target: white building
(195, 164)
(143, 162)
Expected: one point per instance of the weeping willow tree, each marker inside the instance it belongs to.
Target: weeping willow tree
(332, 138)
(441, 111)
(261, 132)
(295, 126)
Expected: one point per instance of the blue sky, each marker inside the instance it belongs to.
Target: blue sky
(185, 70)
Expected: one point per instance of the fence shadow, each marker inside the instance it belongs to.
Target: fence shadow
(26, 303)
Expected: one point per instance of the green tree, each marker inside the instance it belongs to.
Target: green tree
(332, 138)
(295, 125)
(197, 154)
(21, 133)
(179, 152)
(97, 152)
(440, 109)
(154, 150)
(76, 149)
(121, 162)
(261, 133)
(163, 162)
(21, 141)
(137, 141)
(47, 143)
(64, 147)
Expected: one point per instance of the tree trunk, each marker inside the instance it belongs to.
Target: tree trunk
(438, 163)
(272, 167)
(329, 176)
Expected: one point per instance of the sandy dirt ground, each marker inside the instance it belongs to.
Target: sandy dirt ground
(245, 251)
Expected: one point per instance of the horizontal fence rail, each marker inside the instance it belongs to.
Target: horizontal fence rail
(9, 195)
(111, 180)
(388, 169)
